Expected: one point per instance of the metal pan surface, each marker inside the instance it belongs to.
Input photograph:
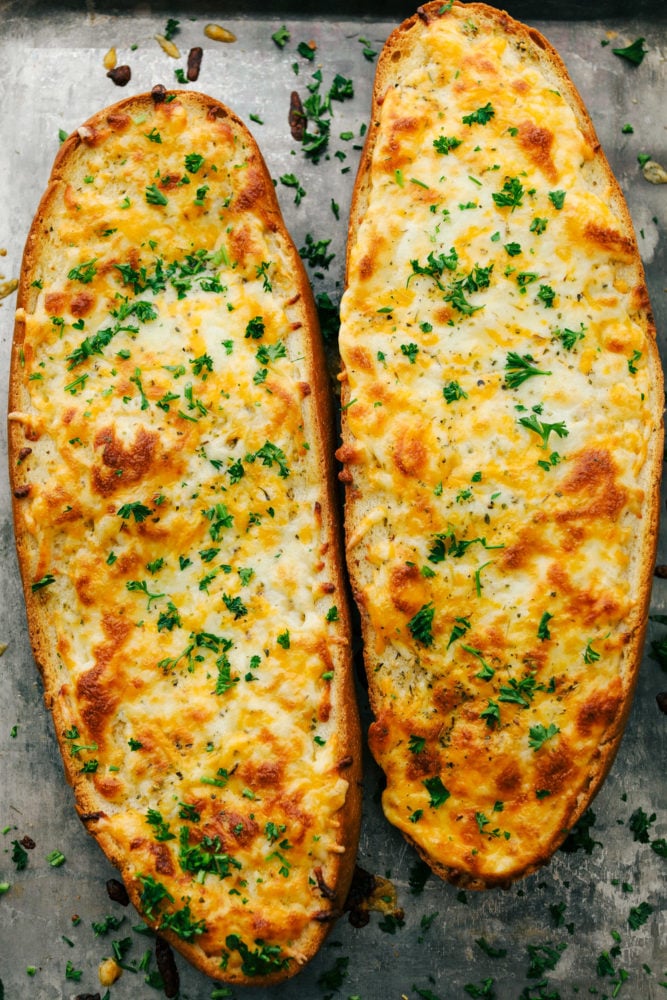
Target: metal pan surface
(594, 921)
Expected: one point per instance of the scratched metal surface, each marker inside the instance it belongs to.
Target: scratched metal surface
(51, 78)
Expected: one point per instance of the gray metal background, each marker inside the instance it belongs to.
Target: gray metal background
(51, 78)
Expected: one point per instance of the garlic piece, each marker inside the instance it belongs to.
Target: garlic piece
(109, 971)
(219, 34)
(168, 47)
(654, 172)
(110, 59)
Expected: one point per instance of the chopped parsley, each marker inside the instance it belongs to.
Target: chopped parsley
(155, 196)
(292, 181)
(83, 272)
(205, 857)
(171, 28)
(200, 194)
(452, 392)
(546, 295)
(633, 53)
(532, 423)
(435, 265)
(182, 924)
(640, 824)
(479, 117)
(591, 655)
(169, 619)
(160, 826)
(284, 639)
(142, 587)
(255, 328)
(281, 37)
(437, 791)
(519, 368)
(511, 194)
(639, 915)
(447, 544)
(569, 338)
(444, 144)
(421, 625)
(262, 271)
(193, 162)
(543, 957)
(270, 454)
(539, 734)
(72, 973)
(519, 692)
(460, 628)
(457, 298)
(267, 353)
(315, 252)
(19, 856)
(135, 509)
(543, 632)
(152, 895)
(491, 714)
(579, 837)
(235, 605)
(265, 959)
(102, 927)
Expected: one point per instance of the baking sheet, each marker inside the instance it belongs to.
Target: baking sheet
(576, 914)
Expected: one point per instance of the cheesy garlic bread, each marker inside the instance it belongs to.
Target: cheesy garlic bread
(172, 464)
(502, 442)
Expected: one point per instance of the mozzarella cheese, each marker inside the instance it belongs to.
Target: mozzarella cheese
(501, 441)
(174, 522)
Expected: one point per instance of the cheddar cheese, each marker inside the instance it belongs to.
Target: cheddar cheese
(171, 452)
(502, 442)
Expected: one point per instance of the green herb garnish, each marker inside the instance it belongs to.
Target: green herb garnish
(421, 625)
(519, 368)
(437, 791)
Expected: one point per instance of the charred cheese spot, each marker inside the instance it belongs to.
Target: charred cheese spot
(406, 589)
(594, 479)
(81, 304)
(537, 143)
(410, 453)
(610, 240)
(129, 463)
(599, 711)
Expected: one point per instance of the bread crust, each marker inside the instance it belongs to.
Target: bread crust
(371, 530)
(78, 699)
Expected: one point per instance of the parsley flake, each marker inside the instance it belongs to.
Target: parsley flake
(479, 117)
(421, 625)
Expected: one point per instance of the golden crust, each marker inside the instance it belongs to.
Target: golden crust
(502, 570)
(135, 507)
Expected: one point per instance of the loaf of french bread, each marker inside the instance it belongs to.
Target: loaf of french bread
(172, 464)
(502, 442)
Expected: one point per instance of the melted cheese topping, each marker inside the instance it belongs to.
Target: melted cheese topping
(180, 551)
(498, 418)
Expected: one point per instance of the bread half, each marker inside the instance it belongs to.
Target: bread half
(502, 442)
(172, 465)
